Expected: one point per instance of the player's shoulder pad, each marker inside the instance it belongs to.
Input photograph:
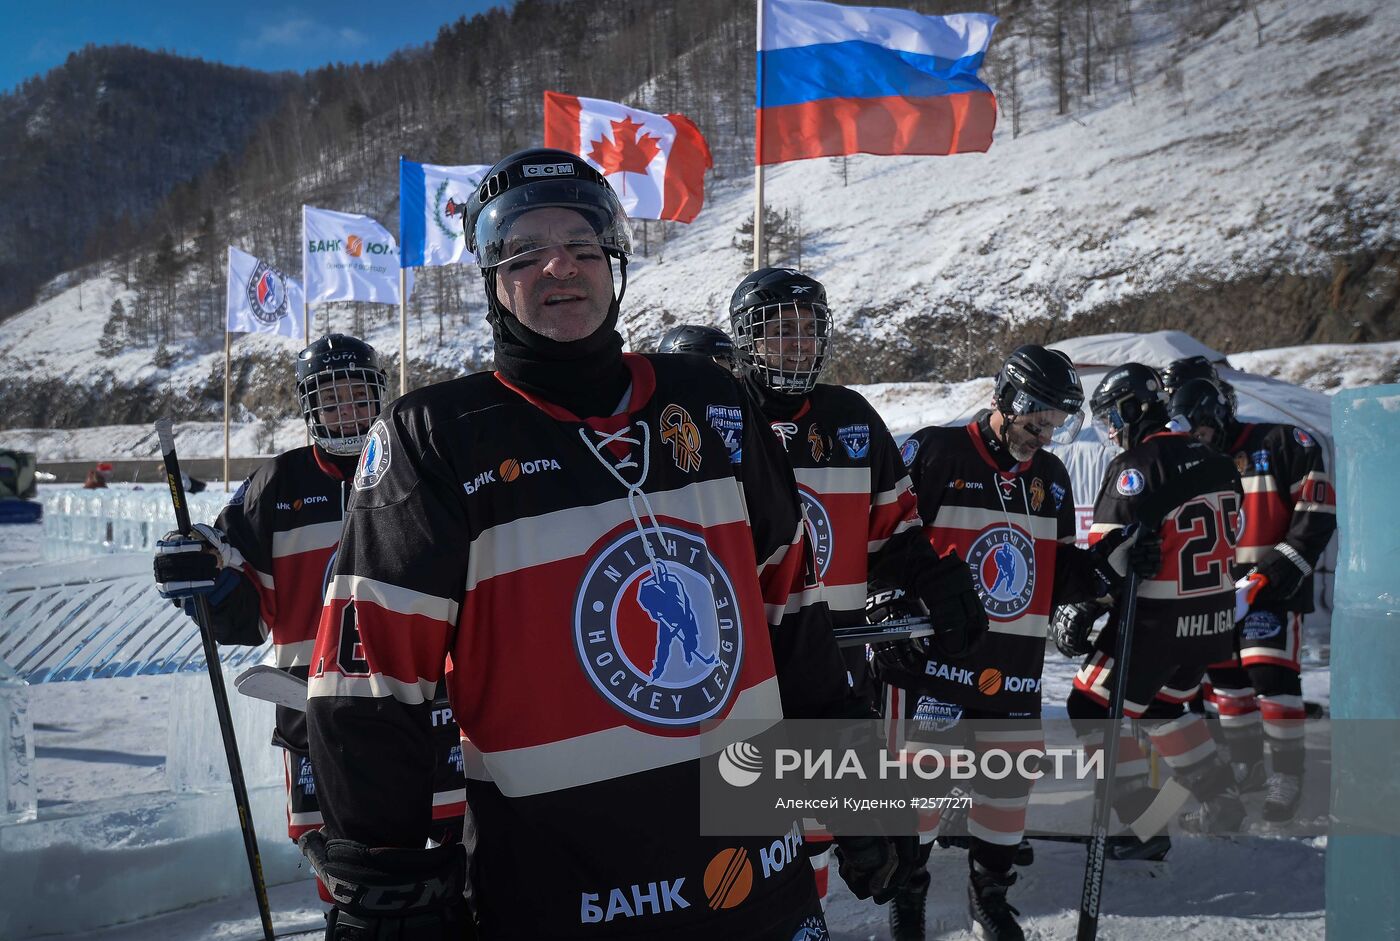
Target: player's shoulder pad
(931, 439)
(276, 471)
(400, 442)
(841, 397)
(1290, 436)
(681, 371)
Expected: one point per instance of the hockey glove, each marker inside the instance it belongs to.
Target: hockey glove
(890, 604)
(1071, 625)
(1130, 548)
(1284, 568)
(202, 563)
(875, 867)
(954, 607)
(387, 894)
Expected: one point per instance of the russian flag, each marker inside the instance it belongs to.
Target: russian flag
(835, 80)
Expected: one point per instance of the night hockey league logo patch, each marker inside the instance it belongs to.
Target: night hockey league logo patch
(728, 423)
(662, 639)
(908, 451)
(1261, 461)
(374, 459)
(818, 523)
(267, 293)
(1003, 568)
(855, 439)
(1130, 482)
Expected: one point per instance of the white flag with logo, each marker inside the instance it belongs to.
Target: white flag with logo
(262, 299)
(349, 257)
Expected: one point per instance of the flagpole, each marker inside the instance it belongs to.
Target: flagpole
(758, 147)
(306, 298)
(226, 398)
(403, 325)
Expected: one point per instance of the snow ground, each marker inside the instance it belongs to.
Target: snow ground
(106, 737)
(1197, 894)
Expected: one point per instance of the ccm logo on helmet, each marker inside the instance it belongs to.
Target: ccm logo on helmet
(548, 169)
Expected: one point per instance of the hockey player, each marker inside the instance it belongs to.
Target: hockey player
(990, 492)
(1180, 371)
(1290, 513)
(696, 338)
(1184, 616)
(861, 512)
(604, 546)
(263, 564)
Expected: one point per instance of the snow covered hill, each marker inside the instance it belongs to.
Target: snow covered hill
(1245, 193)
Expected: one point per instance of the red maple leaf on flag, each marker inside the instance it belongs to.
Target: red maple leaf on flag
(626, 152)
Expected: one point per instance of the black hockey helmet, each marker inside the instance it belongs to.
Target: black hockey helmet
(1200, 403)
(1041, 382)
(542, 178)
(341, 389)
(704, 341)
(1179, 371)
(1130, 401)
(766, 311)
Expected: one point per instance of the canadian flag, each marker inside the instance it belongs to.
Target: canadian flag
(655, 162)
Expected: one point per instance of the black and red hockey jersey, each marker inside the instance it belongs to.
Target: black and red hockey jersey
(285, 519)
(1193, 489)
(607, 590)
(1013, 523)
(1288, 498)
(855, 492)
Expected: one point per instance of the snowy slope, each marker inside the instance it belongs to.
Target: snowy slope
(905, 407)
(1268, 156)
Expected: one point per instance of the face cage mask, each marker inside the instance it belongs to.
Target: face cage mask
(765, 325)
(333, 401)
(1024, 406)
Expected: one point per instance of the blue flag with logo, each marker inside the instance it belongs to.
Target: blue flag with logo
(432, 205)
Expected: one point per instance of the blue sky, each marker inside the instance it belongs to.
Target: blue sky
(38, 35)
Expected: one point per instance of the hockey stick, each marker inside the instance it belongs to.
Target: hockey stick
(892, 630)
(216, 681)
(1098, 836)
(270, 684)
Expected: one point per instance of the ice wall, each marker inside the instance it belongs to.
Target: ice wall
(17, 795)
(122, 518)
(1363, 860)
(91, 864)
